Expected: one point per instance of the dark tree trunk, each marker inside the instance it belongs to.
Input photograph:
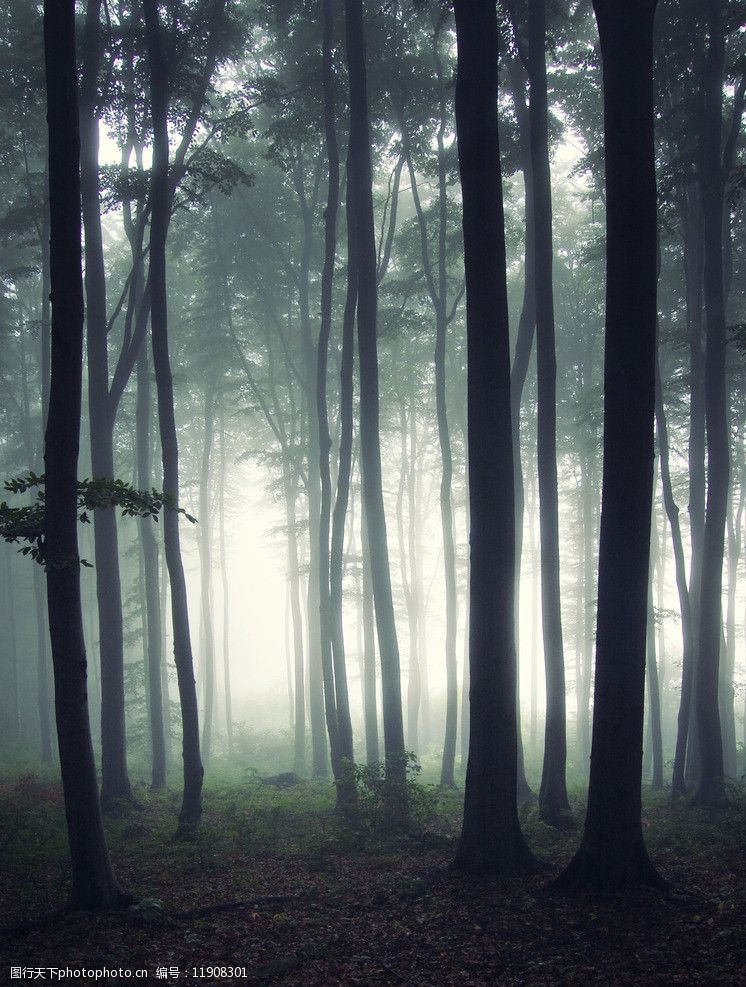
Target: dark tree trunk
(521, 358)
(694, 264)
(710, 788)
(94, 886)
(491, 839)
(612, 852)
(361, 198)
(40, 605)
(553, 804)
(191, 808)
(149, 549)
(335, 672)
(336, 561)
(114, 778)
(654, 698)
(678, 784)
(370, 711)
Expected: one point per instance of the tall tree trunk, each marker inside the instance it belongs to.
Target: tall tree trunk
(149, 551)
(361, 196)
(612, 851)
(370, 710)
(40, 604)
(94, 886)
(337, 700)
(710, 788)
(694, 265)
(521, 358)
(226, 591)
(115, 782)
(293, 576)
(205, 553)
(339, 515)
(678, 784)
(553, 804)
(491, 838)
(654, 699)
(191, 808)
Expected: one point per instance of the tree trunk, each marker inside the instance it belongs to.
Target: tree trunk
(361, 198)
(678, 784)
(191, 808)
(332, 643)
(553, 805)
(710, 789)
(94, 886)
(226, 592)
(149, 550)
(491, 838)
(115, 782)
(519, 370)
(612, 852)
(654, 698)
(293, 576)
(205, 554)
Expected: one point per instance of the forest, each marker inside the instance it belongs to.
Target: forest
(373, 525)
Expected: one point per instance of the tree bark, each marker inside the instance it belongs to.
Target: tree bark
(612, 852)
(332, 644)
(149, 550)
(94, 886)
(554, 807)
(115, 782)
(191, 808)
(491, 838)
(205, 554)
(710, 789)
(361, 197)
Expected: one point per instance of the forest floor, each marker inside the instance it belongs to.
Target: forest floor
(300, 898)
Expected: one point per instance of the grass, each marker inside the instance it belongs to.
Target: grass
(325, 902)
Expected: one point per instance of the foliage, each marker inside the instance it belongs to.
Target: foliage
(26, 523)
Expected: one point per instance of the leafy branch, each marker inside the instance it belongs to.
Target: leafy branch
(25, 524)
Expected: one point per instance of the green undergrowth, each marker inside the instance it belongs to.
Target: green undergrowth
(249, 822)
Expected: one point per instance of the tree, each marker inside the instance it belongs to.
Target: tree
(491, 838)
(360, 191)
(612, 851)
(553, 803)
(710, 788)
(94, 886)
(191, 807)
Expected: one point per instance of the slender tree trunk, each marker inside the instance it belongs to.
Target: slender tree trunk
(710, 788)
(694, 265)
(226, 594)
(149, 552)
(553, 803)
(678, 784)
(293, 577)
(94, 886)
(521, 358)
(370, 711)
(612, 852)
(115, 782)
(491, 838)
(361, 198)
(191, 808)
(335, 672)
(205, 544)
(654, 709)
